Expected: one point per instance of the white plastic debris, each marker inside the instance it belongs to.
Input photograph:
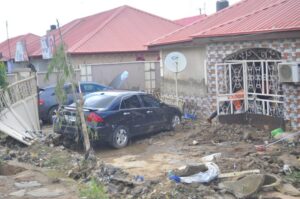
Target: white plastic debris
(211, 157)
(212, 173)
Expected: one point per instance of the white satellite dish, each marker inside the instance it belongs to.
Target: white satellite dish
(175, 62)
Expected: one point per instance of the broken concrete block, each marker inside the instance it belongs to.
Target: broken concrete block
(190, 170)
(19, 194)
(45, 193)
(29, 184)
(288, 189)
(244, 187)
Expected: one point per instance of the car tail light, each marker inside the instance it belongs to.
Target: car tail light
(41, 102)
(93, 117)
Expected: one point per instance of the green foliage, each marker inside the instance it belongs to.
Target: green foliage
(3, 78)
(59, 65)
(93, 191)
(293, 177)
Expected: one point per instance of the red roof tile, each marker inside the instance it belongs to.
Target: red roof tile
(32, 44)
(122, 29)
(189, 20)
(245, 17)
(278, 16)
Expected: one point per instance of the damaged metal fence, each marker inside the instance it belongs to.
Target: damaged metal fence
(19, 111)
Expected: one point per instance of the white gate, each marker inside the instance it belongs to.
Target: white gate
(260, 82)
(19, 116)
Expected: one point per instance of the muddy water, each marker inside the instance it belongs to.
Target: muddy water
(154, 156)
(150, 157)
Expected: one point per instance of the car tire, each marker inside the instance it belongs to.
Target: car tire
(51, 112)
(120, 137)
(174, 122)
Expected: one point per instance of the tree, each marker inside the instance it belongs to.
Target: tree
(3, 78)
(65, 73)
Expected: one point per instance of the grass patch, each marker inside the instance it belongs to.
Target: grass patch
(293, 177)
(93, 190)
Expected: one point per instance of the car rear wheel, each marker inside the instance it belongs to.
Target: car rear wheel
(120, 137)
(51, 113)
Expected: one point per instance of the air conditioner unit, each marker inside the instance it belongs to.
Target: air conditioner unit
(289, 72)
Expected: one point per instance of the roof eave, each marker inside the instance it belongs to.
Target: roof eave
(106, 52)
(249, 37)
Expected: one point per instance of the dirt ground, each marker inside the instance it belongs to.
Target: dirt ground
(151, 158)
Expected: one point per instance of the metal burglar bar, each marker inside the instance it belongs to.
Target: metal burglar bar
(260, 81)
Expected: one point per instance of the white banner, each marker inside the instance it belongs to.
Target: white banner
(47, 45)
(21, 54)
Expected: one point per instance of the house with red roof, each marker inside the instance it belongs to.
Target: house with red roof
(107, 43)
(188, 20)
(252, 45)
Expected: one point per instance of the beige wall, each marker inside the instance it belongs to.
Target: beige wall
(112, 57)
(191, 81)
(105, 73)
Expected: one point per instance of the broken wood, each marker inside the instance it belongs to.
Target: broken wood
(238, 173)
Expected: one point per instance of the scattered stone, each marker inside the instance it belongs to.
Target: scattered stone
(288, 189)
(45, 193)
(19, 194)
(29, 184)
(244, 187)
(137, 190)
(150, 141)
(290, 160)
(195, 142)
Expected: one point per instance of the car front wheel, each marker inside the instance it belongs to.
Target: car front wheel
(120, 137)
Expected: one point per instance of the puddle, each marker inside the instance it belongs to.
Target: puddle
(9, 170)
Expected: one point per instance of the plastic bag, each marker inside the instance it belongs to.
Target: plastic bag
(212, 173)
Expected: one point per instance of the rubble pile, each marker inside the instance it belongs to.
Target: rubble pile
(220, 133)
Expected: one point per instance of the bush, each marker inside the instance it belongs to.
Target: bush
(93, 191)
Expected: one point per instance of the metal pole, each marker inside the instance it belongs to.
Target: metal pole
(176, 87)
(9, 51)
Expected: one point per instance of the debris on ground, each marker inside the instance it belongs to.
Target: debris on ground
(143, 169)
(245, 187)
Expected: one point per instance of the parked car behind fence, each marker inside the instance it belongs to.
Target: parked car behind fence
(48, 103)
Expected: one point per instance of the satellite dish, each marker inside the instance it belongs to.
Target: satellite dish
(175, 62)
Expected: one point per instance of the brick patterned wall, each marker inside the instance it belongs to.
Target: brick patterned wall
(290, 51)
(216, 52)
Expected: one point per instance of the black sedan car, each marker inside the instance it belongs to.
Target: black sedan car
(48, 103)
(116, 116)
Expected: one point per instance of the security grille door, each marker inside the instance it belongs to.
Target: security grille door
(259, 80)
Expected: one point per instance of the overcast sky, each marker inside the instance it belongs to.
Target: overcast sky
(35, 16)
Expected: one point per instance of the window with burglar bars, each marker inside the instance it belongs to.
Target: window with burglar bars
(150, 77)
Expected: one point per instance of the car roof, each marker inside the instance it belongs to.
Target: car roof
(81, 82)
(119, 92)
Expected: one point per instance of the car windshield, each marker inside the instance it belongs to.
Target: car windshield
(98, 101)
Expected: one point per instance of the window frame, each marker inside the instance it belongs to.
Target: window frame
(127, 97)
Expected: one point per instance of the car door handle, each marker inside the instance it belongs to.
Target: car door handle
(149, 112)
(126, 113)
